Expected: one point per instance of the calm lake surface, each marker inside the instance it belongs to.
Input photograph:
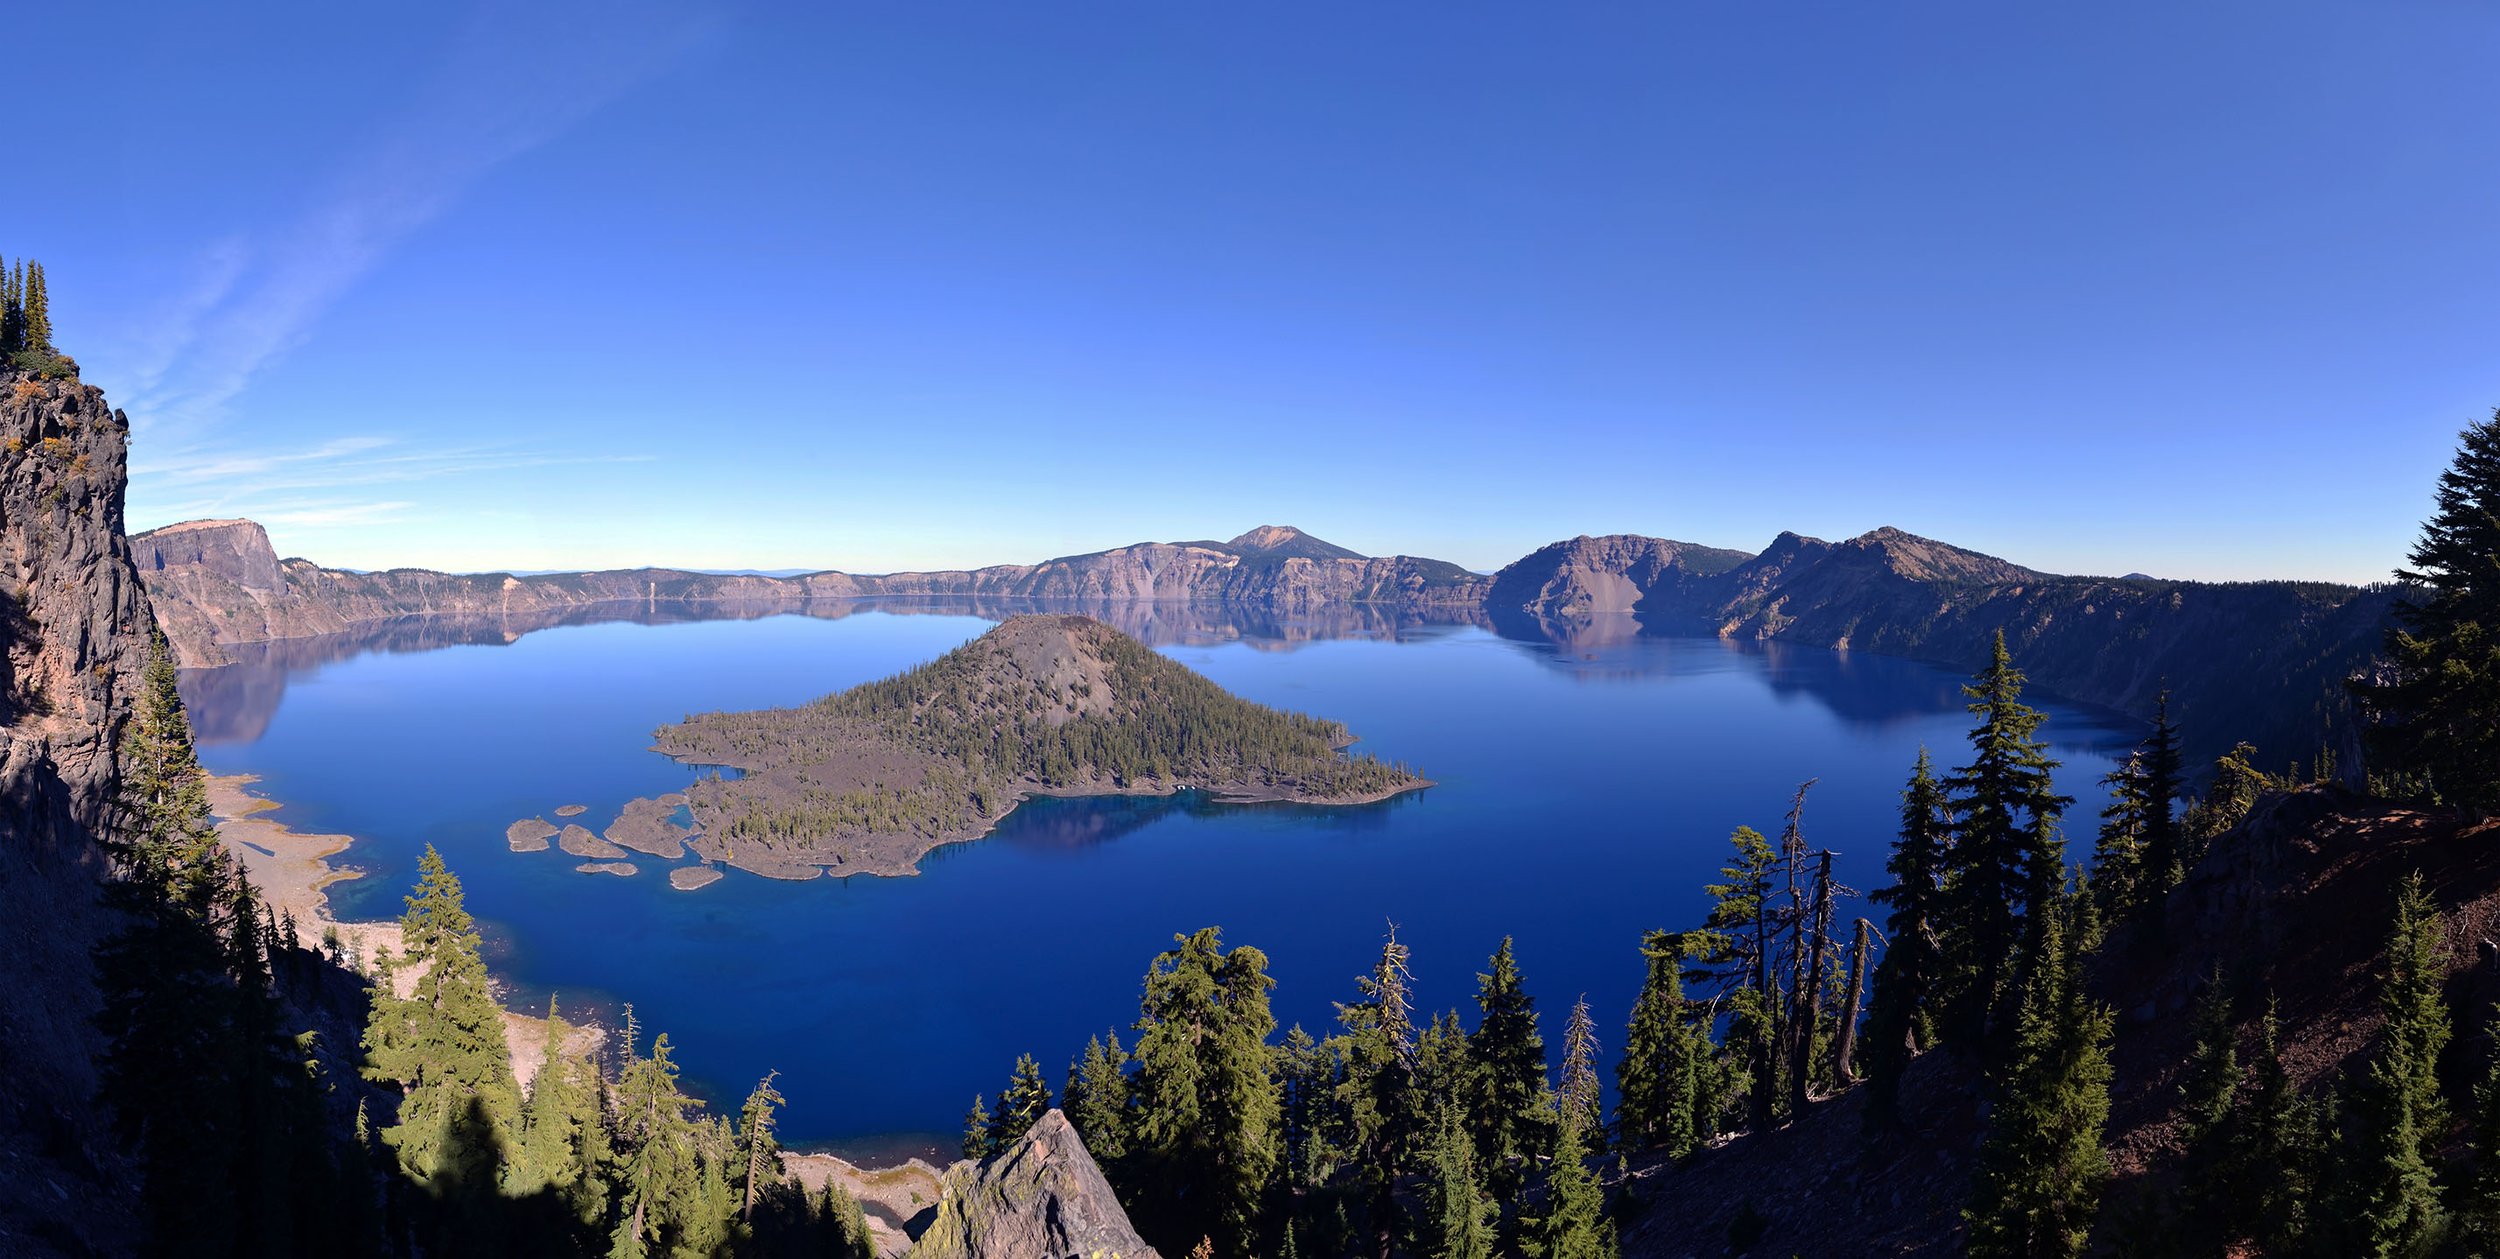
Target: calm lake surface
(1585, 796)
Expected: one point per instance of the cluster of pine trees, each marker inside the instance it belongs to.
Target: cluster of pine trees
(26, 319)
(1393, 1134)
(2361, 1167)
(259, 1134)
(221, 1096)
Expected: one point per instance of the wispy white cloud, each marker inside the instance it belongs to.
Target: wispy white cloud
(520, 73)
(302, 486)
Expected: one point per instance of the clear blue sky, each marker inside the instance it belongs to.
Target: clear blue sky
(2200, 289)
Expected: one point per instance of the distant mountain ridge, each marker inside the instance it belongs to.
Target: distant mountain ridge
(2262, 661)
(222, 583)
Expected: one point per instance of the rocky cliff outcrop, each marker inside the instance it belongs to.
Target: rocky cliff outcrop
(2262, 661)
(1041, 1198)
(1592, 590)
(73, 618)
(219, 583)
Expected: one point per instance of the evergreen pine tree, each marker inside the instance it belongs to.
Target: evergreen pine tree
(2400, 1113)
(2119, 873)
(1446, 1077)
(2436, 718)
(1580, 1091)
(171, 1010)
(1736, 946)
(564, 1141)
(1510, 1118)
(38, 330)
(1574, 1223)
(1208, 1102)
(2209, 1097)
(1311, 1073)
(1457, 1219)
(849, 1224)
(980, 1130)
(659, 1171)
(1657, 1080)
(2006, 860)
(2042, 1169)
(762, 1163)
(443, 1046)
(1097, 1098)
(1911, 980)
(12, 310)
(1378, 1055)
(1020, 1105)
(2482, 1196)
(2274, 1151)
(2157, 787)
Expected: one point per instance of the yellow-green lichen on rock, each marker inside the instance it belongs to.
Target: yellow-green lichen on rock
(1043, 1197)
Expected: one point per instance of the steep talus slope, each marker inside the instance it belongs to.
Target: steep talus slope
(1595, 589)
(74, 618)
(219, 583)
(1041, 1198)
(2294, 904)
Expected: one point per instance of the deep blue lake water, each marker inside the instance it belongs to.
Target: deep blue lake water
(1585, 796)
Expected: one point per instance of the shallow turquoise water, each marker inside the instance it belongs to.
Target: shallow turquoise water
(1584, 797)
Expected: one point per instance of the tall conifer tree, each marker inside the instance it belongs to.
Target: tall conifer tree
(1912, 979)
(1657, 1082)
(1208, 1100)
(1457, 1218)
(2006, 860)
(1512, 1122)
(2401, 1117)
(1580, 1091)
(443, 1046)
(2043, 1168)
(1574, 1223)
(2436, 719)
(1097, 1098)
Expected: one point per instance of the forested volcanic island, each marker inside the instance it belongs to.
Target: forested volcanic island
(867, 780)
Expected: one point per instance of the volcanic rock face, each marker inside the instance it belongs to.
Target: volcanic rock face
(73, 619)
(1041, 1198)
(1591, 590)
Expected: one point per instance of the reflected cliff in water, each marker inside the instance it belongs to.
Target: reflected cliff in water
(234, 703)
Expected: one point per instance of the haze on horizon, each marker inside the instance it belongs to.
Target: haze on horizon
(2200, 291)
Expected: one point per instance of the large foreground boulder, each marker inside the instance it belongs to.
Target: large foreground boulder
(1041, 1198)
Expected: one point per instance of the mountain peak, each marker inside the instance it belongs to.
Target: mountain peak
(1925, 559)
(1285, 540)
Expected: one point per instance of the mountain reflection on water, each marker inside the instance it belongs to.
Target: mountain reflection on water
(234, 703)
